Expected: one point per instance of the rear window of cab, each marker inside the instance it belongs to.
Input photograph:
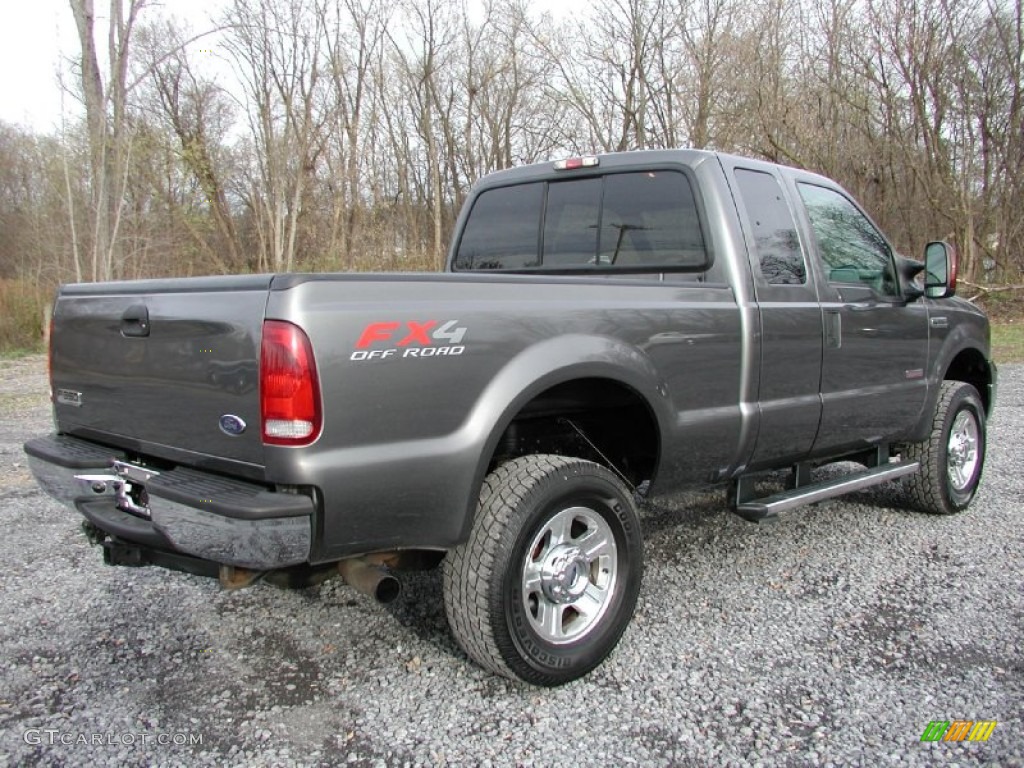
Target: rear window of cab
(622, 222)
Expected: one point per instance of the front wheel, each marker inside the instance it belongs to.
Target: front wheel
(548, 580)
(953, 455)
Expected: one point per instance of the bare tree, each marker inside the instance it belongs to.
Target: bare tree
(199, 114)
(423, 57)
(696, 77)
(277, 49)
(106, 111)
(356, 33)
(510, 116)
(358, 126)
(608, 77)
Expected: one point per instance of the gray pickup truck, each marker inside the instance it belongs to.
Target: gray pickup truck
(608, 327)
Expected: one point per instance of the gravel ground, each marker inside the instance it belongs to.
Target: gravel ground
(831, 638)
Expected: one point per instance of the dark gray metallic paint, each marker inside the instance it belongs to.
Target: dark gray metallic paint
(163, 394)
(728, 370)
(430, 420)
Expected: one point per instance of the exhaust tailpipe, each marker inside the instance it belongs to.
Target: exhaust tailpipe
(370, 579)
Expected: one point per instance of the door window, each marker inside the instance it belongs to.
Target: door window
(775, 237)
(852, 249)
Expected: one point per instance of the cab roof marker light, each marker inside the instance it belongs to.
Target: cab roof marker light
(572, 163)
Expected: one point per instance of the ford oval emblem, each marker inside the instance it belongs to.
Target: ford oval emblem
(231, 425)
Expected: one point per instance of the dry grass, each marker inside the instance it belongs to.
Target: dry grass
(1008, 341)
(21, 317)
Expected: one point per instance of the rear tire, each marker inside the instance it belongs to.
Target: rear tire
(548, 580)
(953, 455)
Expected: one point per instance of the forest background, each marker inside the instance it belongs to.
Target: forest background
(345, 134)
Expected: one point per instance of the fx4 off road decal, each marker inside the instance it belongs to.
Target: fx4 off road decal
(431, 338)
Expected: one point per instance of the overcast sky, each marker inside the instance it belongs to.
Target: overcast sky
(35, 34)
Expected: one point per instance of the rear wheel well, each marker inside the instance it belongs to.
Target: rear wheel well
(601, 420)
(971, 367)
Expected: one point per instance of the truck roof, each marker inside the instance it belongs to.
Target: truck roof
(645, 158)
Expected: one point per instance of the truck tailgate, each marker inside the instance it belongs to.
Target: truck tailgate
(156, 366)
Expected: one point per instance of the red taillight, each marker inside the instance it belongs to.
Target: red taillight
(289, 391)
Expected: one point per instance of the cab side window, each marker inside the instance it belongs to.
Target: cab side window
(852, 250)
(775, 238)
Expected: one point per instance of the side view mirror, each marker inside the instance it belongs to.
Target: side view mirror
(908, 269)
(940, 270)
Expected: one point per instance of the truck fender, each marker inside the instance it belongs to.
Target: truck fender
(959, 352)
(549, 363)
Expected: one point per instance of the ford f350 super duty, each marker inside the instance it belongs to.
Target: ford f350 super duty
(607, 328)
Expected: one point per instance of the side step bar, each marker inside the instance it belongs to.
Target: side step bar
(756, 510)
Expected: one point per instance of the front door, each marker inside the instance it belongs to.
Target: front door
(873, 381)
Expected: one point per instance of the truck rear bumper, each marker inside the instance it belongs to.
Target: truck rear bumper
(225, 521)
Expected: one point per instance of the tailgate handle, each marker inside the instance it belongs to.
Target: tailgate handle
(135, 321)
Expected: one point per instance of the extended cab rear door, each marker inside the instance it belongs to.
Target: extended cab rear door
(873, 382)
(790, 315)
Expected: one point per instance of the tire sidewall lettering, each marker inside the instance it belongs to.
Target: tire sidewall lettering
(580, 488)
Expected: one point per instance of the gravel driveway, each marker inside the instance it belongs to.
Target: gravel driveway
(831, 638)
